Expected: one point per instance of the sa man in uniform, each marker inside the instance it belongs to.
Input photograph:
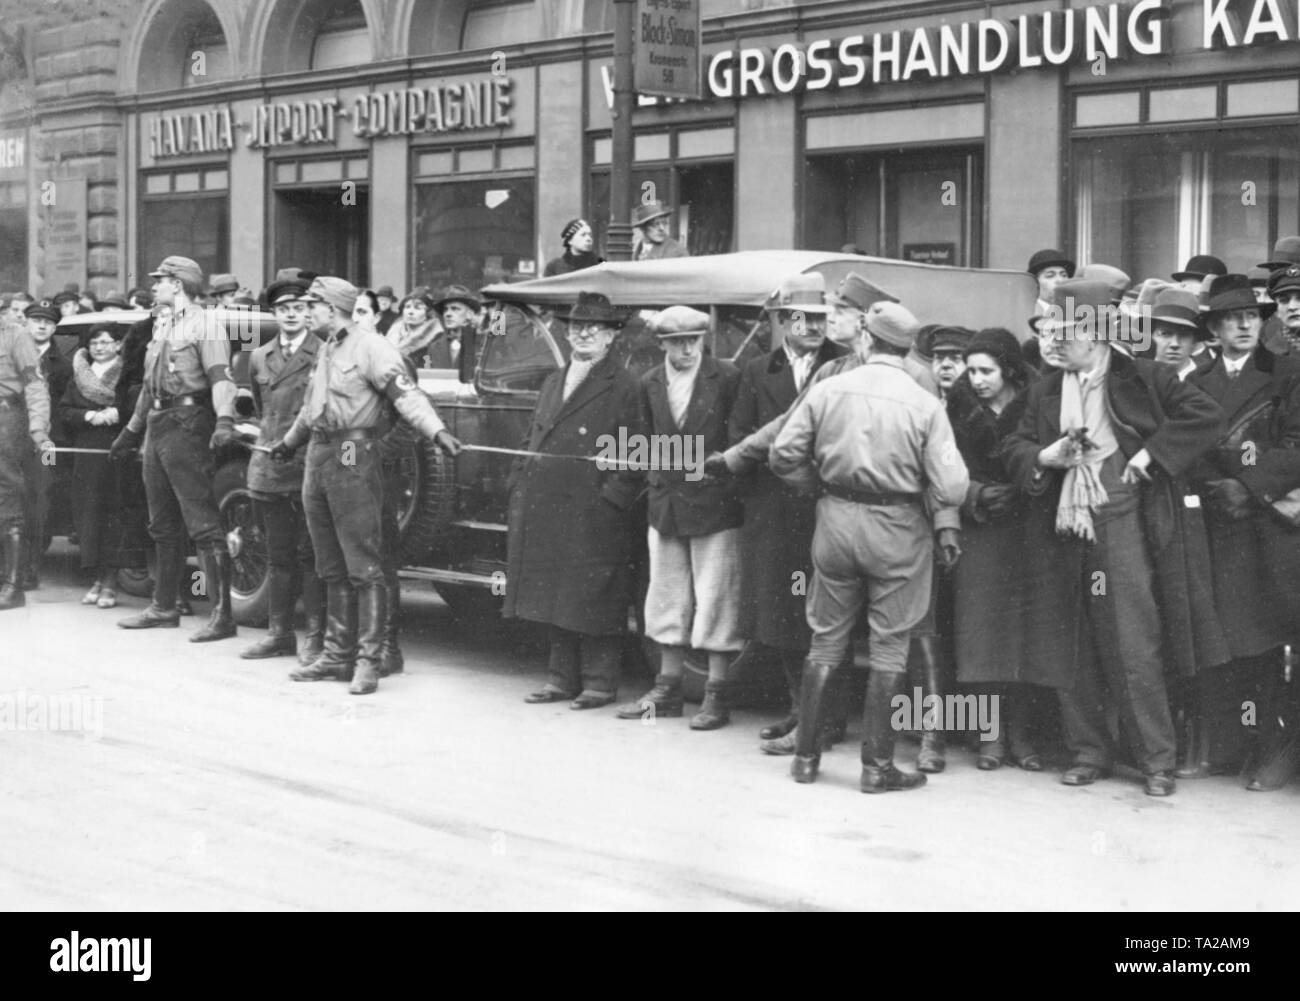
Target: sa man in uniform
(185, 412)
(342, 417)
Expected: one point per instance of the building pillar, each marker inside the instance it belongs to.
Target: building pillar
(560, 154)
(767, 145)
(392, 222)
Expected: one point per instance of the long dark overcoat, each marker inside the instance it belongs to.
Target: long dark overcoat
(776, 541)
(1176, 423)
(278, 387)
(1256, 561)
(570, 522)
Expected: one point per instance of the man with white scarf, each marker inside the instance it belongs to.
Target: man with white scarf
(1098, 448)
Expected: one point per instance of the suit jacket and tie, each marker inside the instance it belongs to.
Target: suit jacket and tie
(571, 524)
(278, 386)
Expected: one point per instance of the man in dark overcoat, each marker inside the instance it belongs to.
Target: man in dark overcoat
(1255, 558)
(570, 520)
(1102, 438)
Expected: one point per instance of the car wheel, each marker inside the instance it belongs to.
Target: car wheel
(423, 480)
(246, 536)
(135, 581)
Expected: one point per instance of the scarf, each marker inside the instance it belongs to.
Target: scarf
(410, 342)
(1083, 405)
(578, 372)
(100, 390)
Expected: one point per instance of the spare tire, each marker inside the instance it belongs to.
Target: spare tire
(249, 586)
(423, 482)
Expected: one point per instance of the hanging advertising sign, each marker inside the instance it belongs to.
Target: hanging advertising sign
(667, 50)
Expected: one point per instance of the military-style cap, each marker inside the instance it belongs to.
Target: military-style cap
(43, 310)
(858, 293)
(286, 290)
(892, 323)
(944, 338)
(180, 268)
(223, 283)
(337, 292)
(1284, 280)
(679, 321)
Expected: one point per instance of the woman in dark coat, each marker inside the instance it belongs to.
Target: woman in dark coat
(579, 249)
(570, 521)
(989, 600)
(91, 419)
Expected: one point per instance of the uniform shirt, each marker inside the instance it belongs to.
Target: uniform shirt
(189, 352)
(20, 378)
(354, 374)
(873, 429)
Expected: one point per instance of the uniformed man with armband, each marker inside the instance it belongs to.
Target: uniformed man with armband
(342, 492)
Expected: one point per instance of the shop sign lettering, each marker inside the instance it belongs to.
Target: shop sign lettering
(195, 132)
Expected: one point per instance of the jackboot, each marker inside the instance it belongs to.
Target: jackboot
(792, 664)
(339, 649)
(280, 640)
(664, 699)
(11, 592)
(313, 611)
(878, 771)
(372, 605)
(161, 612)
(713, 712)
(927, 651)
(807, 753)
(221, 623)
(392, 661)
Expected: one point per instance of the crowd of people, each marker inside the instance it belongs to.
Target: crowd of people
(1094, 522)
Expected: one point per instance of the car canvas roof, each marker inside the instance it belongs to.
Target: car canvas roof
(972, 297)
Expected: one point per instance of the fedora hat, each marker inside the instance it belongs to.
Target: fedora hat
(1050, 259)
(643, 214)
(804, 293)
(1116, 280)
(1074, 303)
(1284, 280)
(458, 293)
(1286, 252)
(1229, 292)
(1176, 307)
(595, 307)
(223, 283)
(679, 321)
(855, 291)
(1199, 267)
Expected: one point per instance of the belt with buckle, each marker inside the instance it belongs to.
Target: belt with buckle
(347, 434)
(869, 497)
(170, 402)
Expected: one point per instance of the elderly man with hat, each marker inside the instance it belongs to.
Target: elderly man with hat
(24, 421)
(459, 309)
(653, 221)
(880, 469)
(279, 372)
(694, 532)
(1049, 268)
(571, 518)
(355, 376)
(187, 405)
(1098, 451)
(1254, 556)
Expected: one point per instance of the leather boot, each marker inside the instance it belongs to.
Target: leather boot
(1279, 751)
(807, 753)
(221, 623)
(664, 699)
(161, 612)
(792, 664)
(927, 653)
(372, 605)
(183, 592)
(11, 592)
(280, 640)
(713, 712)
(878, 771)
(339, 650)
(313, 610)
(392, 661)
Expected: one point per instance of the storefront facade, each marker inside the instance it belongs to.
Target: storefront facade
(406, 142)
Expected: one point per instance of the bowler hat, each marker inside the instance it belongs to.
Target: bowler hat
(1229, 292)
(384, 292)
(458, 293)
(180, 268)
(680, 321)
(1116, 280)
(43, 310)
(643, 214)
(1077, 302)
(855, 291)
(1050, 259)
(1200, 266)
(286, 290)
(803, 293)
(1284, 280)
(892, 323)
(1285, 253)
(339, 293)
(594, 307)
(223, 283)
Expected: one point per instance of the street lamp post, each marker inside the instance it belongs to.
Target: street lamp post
(618, 240)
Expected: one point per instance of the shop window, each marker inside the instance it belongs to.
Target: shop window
(13, 236)
(918, 206)
(321, 224)
(702, 196)
(1146, 204)
(185, 212)
(475, 232)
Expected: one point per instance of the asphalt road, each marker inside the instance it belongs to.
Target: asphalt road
(186, 778)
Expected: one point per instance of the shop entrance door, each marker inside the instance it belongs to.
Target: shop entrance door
(315, 230)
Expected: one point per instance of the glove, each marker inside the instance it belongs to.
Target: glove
(223, 435)
(448, 443)
(716, 465)
(949, 549)
(282, 451)
(42, 441)
(1229, 500)
(124, 444)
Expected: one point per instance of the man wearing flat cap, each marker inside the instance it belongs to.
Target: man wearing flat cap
(341, 421)
(880, 470)
(187, 407)
(24, 422)
(279, 371)
(694, 533)
(652, 222)
(56, 370)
